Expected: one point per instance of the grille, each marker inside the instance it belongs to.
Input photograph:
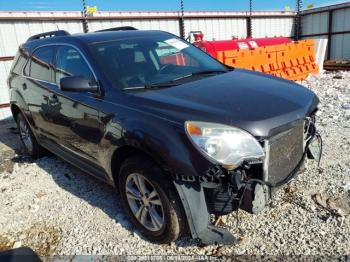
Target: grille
(285, 153)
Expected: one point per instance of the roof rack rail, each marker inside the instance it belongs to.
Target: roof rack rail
(48, 34)
(122, 28)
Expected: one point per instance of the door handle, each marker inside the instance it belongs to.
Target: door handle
(24, 86)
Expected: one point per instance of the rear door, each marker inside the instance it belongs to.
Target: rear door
(74, 115)
(39, 79)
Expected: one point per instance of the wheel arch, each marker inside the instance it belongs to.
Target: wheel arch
(124, 152)
(18, 105)
(15, 111)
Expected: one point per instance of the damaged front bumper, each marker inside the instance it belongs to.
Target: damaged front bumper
(249, 187)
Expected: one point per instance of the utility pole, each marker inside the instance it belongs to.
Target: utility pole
(85, 22)
(249, 19)
(181, 21)
(297, 21)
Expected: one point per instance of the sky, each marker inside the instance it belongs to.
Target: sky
(157, 5)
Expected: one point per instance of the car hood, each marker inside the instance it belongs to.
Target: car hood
(260, 104)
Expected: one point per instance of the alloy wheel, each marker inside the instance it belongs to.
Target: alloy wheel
(144, 202)
(25, 135)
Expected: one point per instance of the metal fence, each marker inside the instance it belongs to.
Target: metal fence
(332, 23)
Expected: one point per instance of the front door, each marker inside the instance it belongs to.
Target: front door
(74, 115)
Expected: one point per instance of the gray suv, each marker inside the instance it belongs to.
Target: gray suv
(181, 136)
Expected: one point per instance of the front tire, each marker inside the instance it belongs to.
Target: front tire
(150, 201)
(30, 144)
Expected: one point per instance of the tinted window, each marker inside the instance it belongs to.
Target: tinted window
(69, 62)
(40, 64)
(19, 62)
(152, 59)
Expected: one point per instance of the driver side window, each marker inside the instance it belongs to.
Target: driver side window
(69, 62)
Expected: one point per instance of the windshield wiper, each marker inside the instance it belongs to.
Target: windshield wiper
(160, 85)
(150, 86)
(208, 72)
(174, 82)
(170, 83)
(134, 87)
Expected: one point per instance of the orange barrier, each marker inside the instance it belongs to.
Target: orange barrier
(293, 61)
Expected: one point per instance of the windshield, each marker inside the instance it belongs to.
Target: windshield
(151, 61)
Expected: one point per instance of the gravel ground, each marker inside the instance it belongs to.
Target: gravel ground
(54, 208)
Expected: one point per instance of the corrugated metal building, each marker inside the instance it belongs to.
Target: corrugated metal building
(332, 23)
(17, 27)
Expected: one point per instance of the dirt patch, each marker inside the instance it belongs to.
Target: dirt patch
(5, 243)
(6, 163)
(40, 194)
(42, 239)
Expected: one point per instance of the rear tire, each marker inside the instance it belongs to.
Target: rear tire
(30, 144)
(150, 201)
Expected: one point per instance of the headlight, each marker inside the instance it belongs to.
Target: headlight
(228, 145)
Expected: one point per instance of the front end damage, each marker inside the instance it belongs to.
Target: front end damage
(250, 186)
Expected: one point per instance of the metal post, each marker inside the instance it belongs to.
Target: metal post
(181, 21)
(297, 21)
(330, 25)
(85, 22)
(249, 19)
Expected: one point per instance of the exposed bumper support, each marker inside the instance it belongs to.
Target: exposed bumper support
(193, 200)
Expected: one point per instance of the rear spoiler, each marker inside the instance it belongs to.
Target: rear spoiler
(48, 34)
(122, 28)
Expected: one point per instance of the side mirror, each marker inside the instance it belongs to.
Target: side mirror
(78, 84)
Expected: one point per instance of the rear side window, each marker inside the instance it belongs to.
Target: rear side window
(19, 61)
(69, 62)
(40, 64)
